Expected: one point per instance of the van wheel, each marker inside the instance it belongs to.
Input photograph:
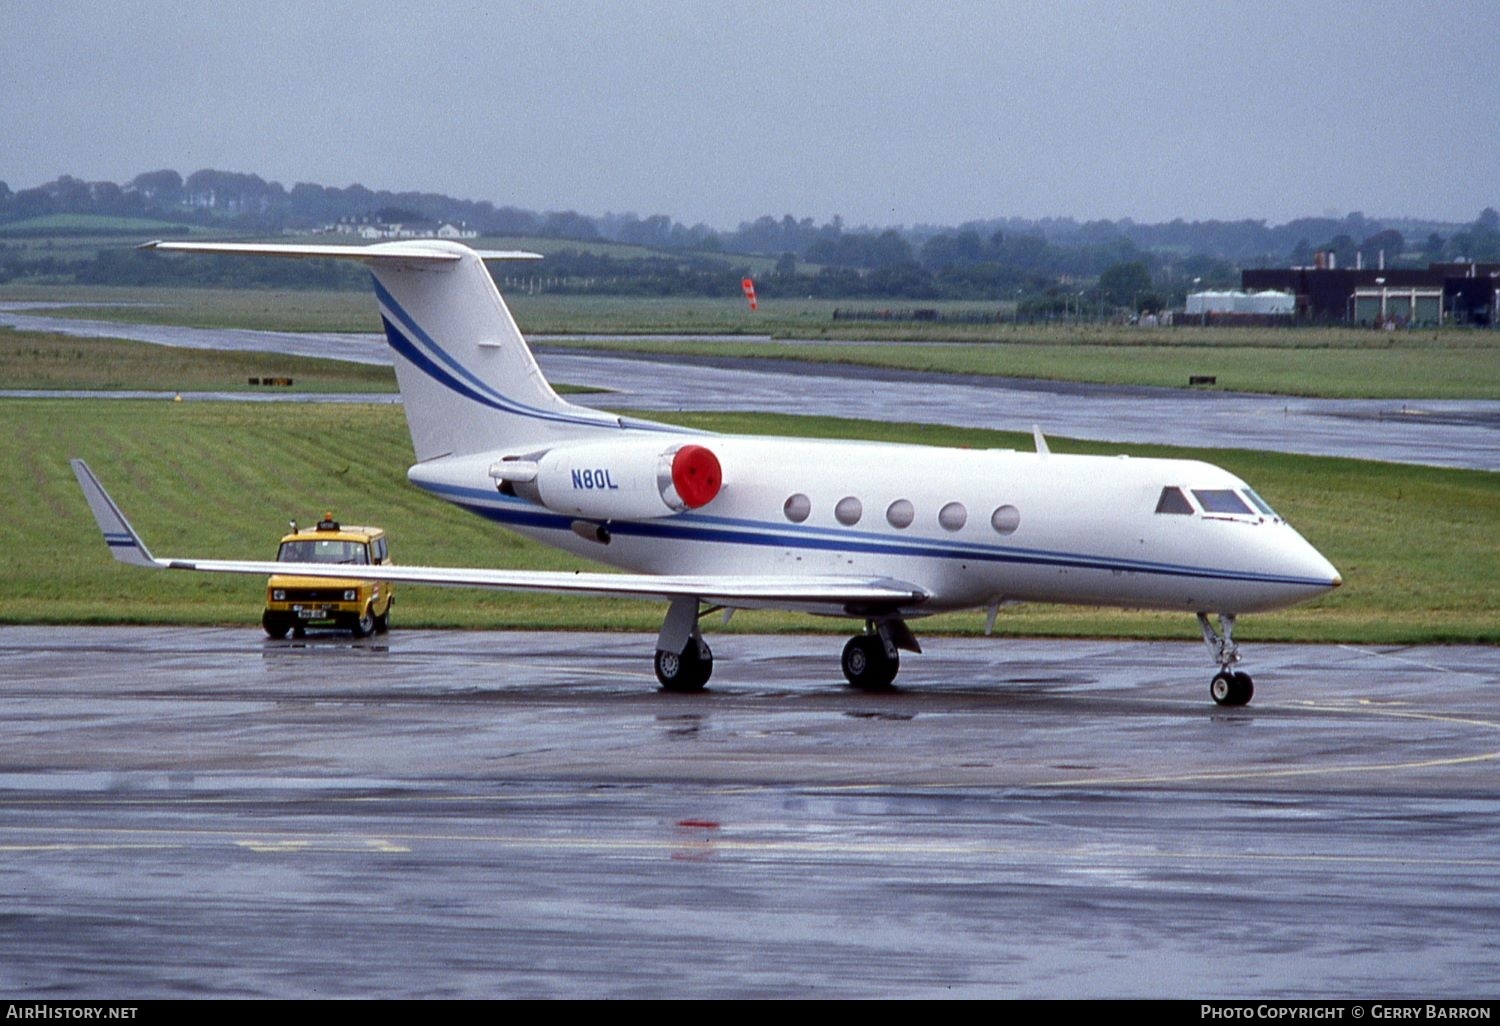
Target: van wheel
(365, 625)
(275, 624)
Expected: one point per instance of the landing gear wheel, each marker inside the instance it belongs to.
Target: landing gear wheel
(687, 670)
(1231, 688)
(275, 624)
(365, 625)
(866, 665)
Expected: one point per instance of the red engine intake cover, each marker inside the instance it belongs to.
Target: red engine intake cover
(696, 475)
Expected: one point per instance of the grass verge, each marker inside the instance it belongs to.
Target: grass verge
(1415, 544)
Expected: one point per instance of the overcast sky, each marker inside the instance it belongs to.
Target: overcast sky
(884, 113)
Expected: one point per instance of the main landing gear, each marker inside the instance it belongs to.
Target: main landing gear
(1229, 687)
(687, 670)
(872, 659)
(684, 662)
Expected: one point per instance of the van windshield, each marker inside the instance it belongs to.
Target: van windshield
(321, 551)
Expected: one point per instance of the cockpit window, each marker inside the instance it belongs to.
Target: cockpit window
(1222, 500)
(1173, 501)
(1259, 503)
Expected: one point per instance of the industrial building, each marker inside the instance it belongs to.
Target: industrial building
(1446, 293)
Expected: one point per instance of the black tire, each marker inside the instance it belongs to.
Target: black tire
(275, 624)
(1245, 688)
(364, 625)
(383, 620)
(866, 665)
(1231, 689)
(687, 670)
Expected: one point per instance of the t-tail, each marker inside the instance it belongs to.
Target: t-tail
(468, 379)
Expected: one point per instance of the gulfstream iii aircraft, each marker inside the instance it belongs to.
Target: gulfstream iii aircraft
(876, 532)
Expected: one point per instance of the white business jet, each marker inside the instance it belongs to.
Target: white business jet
(877, 532)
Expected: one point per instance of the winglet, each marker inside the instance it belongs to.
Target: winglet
(123, 542)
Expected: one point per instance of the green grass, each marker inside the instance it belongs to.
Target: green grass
(1416, 545)
(620, 251)
(255, 309)
(49, 361)
(92, 225)
(1455, 365)
(1344, 363)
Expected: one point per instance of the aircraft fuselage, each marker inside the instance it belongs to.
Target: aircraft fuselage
(969, 527)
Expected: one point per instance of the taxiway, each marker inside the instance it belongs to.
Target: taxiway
(196, 812)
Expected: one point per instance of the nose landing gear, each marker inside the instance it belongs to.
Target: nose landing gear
(1229, 687)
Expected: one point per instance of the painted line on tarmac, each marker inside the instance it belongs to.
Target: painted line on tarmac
(717, 843)
(1253, 773)
(1397, 657)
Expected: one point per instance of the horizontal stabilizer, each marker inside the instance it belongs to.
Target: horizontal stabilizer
(383, 252)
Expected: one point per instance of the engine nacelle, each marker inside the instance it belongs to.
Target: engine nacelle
(637, 480)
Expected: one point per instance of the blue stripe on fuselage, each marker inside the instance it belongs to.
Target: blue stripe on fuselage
(701, 528)
(441, 366)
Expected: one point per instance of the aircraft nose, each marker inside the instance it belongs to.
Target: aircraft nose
(1316, 566)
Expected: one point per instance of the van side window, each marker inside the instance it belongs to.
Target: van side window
(1173, 501)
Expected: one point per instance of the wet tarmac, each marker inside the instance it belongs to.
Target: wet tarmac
(1455, 433)
(203, 812)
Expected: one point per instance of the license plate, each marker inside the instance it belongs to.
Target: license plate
(312, 614)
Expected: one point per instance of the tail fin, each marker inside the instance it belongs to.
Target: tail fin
(468, 380)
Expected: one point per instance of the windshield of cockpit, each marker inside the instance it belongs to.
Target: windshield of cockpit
(1214, 502)
(324, 551)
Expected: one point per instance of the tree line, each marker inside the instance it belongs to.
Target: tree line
(1053, 263)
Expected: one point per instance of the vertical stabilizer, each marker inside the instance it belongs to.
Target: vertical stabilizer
(468, 380)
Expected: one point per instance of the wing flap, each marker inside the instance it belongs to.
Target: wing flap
(731, 590)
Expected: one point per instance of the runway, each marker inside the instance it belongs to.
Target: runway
(1451, 433)
(203, 812)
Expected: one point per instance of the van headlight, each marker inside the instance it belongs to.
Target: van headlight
(350, 595)
(278, 595)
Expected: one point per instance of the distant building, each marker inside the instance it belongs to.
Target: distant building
(370, 228)
(1462, 293)
(1266, 303)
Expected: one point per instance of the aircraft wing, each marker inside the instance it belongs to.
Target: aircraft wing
(826, 593)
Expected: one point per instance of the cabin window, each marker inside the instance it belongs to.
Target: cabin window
(1221, 500)
(953, 516)
(848, 511)
(1005, 519)
(900, 514)
(1173, 501)
(797, 508)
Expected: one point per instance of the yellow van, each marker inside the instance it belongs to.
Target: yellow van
(296, 603)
